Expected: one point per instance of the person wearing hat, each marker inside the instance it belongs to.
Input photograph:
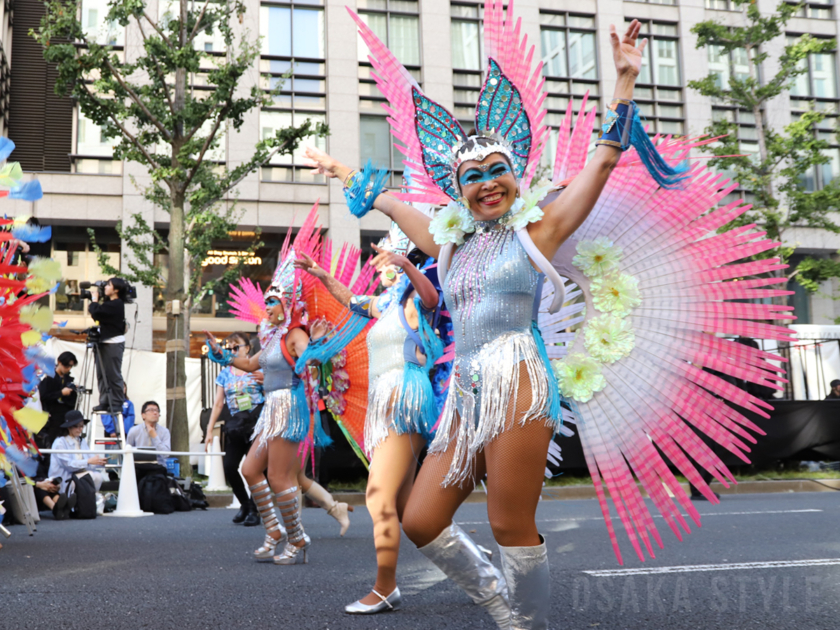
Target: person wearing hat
(65, 465)
(834, 394)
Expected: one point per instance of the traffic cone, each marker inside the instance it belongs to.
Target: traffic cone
(128, 502)
(216, 481)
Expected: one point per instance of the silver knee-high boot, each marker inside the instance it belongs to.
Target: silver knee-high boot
(529, 586)
(289, 506)
(455, 553)
(262, 496)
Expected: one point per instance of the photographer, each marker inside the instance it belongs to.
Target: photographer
(110, 316)
(58, 396)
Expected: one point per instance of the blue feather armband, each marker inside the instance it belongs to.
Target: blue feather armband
(362, 189)
(623, 128)
(223, 358)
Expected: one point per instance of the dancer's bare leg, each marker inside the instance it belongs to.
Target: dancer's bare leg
(390, 480)
(253, 469)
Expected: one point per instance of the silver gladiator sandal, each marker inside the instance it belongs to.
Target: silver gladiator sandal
(526, 571)
(261, 494)
(464, 562)
(290, 511)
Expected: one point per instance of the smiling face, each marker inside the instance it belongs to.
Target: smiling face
(488, 185)
(274, 310)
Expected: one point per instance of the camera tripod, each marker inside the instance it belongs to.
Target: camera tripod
(91, 359)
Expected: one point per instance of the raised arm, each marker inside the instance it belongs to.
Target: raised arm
(568, 211)
(414, 223)
(246, 364)
(424, 287)
(338, 290)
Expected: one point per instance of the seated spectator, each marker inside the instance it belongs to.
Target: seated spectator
(64, 465)
(149, 433)
(834, 394)
(109, 423)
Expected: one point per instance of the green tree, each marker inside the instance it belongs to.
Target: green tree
(775, 174)
(144, 101)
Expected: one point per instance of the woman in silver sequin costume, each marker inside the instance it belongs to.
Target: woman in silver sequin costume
(285, 420)
(503, 407)
(401, 408)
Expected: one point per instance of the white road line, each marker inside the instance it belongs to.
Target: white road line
(702, 515)
(735, 566)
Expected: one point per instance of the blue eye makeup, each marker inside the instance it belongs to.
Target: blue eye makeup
(270, 302)
(478, 175)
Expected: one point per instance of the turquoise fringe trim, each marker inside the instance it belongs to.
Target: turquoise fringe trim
(298, 428)
(552, 409)
(663, 173)
(416, 411)
(325, 349)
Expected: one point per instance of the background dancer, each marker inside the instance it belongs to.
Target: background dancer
(401, 408)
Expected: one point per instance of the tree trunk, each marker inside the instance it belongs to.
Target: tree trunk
(177, 335)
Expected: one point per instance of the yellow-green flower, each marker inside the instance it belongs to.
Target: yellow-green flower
(579, 376)
(451, 224)
(597, 257)
(616, 293)
(609, 338)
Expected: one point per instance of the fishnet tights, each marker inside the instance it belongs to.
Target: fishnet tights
(514, 464)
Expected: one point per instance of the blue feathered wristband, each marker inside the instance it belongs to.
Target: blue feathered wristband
(362, 189)
(223, 358)
(623, 128)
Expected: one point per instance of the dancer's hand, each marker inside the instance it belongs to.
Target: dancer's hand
(318, 329)
(259, 377)
(385, 258)
(628, 56)
(211, 339)
(310, 266)
(323, 164)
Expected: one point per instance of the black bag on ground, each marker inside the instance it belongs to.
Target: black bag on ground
(198, 500)
(180, 500)
(154, 494)
(85, 490)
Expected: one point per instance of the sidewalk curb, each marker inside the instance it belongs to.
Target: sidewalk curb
(566, 493)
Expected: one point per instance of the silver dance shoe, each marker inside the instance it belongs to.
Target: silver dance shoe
(261, 494)
(392, 602)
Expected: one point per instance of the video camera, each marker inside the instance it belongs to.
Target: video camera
(131, 290)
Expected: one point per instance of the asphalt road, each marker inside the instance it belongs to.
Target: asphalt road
(193, 570)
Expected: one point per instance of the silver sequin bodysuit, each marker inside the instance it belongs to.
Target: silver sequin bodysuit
(285, 413)
(490, 290)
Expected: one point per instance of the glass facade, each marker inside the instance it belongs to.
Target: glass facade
(816, 88)
(659, 92)
(293, 71)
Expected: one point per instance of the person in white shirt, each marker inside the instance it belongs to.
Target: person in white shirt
(149, 432)
(65, 465)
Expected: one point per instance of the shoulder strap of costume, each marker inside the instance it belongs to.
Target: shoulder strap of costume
(444, 260)
(286, 354)
(545, 266)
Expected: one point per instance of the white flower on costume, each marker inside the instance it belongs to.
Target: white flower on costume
(616, 293)
(609, 338)
(579, 377)
(597, 257)
(451, 224)
(526, 208)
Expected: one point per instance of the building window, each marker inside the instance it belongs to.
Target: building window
(816, 10)
(293, 69)
(94, 152)
(669, 2)
(96, 28)
(721, 5)
(570, 67)
(817, 89)
(658, 90)
(397, 24)
(467, 58)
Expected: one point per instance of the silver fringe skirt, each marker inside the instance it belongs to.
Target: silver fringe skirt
(284, 415)
(482, 395)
